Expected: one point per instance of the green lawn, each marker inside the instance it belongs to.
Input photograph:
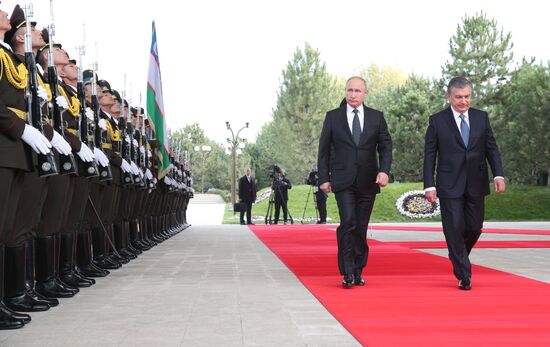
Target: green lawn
(518, 203)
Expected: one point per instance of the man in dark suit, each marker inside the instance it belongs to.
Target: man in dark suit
(247, 195)
(354, 172)
(460, 140)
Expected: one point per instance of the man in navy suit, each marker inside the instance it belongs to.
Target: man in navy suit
(459, 144)
(355, 152)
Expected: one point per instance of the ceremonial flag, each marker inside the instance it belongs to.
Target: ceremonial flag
(155, 108)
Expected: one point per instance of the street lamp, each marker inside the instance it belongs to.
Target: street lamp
(204, 150)
(234, 142)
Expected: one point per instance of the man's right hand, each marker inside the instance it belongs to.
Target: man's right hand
(34, 138)
(326, 187)
(431, 195)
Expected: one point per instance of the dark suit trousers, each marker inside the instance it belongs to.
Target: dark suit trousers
(462, 220)
(355, 209)
(248, 212)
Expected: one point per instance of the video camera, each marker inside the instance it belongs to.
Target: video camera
(275, 173)
(312, 178)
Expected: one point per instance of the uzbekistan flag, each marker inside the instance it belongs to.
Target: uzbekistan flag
(155, 108)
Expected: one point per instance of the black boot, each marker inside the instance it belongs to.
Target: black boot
(100, 251)
(47, 281)
(15, 293)
(8, 318)
(84, 258)
(120, 243)
(30, 273)
(146, 236)
(67, 258)
(131, 237)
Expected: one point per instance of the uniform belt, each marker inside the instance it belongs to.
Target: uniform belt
(106, 146)
(20, 113)
(72, 131)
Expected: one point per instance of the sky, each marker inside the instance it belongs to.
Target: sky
(223, 60)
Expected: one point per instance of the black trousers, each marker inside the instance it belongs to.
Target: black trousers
(321, 201)
(280, 203)
(462, 221)
(248, 212)
(354, 209)
(11, 185)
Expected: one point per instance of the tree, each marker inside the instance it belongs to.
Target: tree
(524, 123)
(381, 77)
(306, 93)
(406, 109)
(482, 53)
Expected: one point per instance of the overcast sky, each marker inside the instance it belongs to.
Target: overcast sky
(223, 60)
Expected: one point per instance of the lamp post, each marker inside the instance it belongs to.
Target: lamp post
(234, 142)
(204, 150)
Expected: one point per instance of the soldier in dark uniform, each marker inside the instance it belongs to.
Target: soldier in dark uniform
(17, 141)
(81, 262)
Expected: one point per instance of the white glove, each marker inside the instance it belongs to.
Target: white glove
(85, 153)
(155, 180)
(142, 150)
(89, 114)
(125, 166)
(102, 124)
(140, 174)
(59, 143)
(61, 102)
(134, 168)
(100, 157)
(127, 139)
(148, 174)
(34, 138)
(42, 93)
(149, 154)
(135, 143)
(167, 181)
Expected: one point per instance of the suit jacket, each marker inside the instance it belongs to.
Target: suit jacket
(14, 153)
(247, 190)
(460, 169)
(350, 162)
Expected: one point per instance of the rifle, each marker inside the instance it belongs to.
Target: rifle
(67, 162)
(127, 178)
(46, 162)
(105, 173)
(86, 169)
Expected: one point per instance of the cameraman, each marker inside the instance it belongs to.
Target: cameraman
(321, 200)
(280, 186)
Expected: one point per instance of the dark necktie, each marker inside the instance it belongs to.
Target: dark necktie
(356, 127)
(464, 130)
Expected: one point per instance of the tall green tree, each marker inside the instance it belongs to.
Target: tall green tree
(406, 109)
(481, 52)
(382, 77)
(524, 123)
(306, 93)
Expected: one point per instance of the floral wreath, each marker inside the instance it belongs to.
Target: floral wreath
(414, 204)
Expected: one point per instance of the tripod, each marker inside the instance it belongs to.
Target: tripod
(271, 203)
(314, 202)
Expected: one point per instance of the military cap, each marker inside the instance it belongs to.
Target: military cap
(104, 86)
(17, 20)
(116, 95)
(87, 76)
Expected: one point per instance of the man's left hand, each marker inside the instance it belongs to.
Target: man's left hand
(500, 186)
(382, 179)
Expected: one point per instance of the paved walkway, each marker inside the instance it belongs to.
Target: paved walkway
(218, 285)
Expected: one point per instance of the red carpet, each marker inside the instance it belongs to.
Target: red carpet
(411, 297)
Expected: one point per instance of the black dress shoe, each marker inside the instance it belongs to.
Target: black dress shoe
(359, 281)
(250, 223)
(465, 284)
(347, 282)
(243, 223)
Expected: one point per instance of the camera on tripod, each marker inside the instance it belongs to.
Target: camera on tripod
(275, 172)
(312, 178)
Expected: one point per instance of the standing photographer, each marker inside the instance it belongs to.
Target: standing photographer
(321, 200)
(280, 186)
(247, 195)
